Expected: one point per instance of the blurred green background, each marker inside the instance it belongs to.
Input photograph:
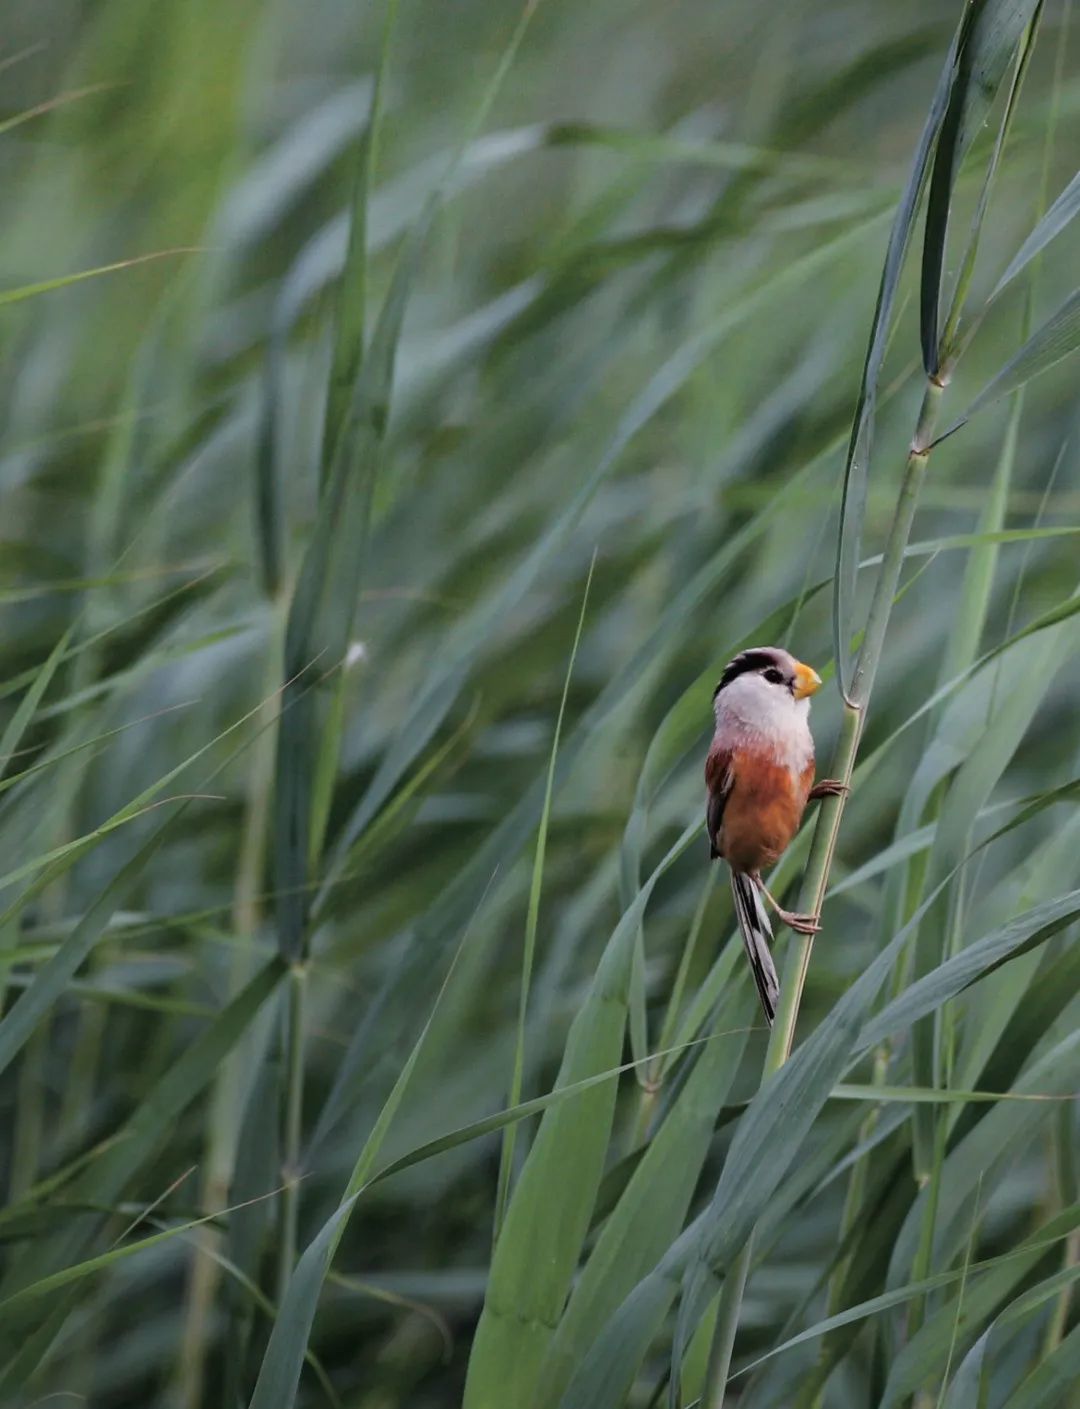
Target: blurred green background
(634, 335)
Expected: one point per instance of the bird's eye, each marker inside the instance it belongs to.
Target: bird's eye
(774, 676)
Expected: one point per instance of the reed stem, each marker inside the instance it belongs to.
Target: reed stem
(819, 863)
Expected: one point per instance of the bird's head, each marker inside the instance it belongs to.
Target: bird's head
(765, 678)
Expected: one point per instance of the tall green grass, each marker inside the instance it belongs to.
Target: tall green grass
(407, 412)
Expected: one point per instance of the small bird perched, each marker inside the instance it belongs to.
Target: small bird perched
(760, 776)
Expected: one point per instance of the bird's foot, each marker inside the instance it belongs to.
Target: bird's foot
(828, 787)
(801, 924)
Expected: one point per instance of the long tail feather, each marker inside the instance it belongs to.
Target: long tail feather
(757, 934)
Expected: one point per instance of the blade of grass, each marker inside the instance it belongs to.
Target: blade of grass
(45, 286)
(946, 348)
(991, 32)
(769, 1136)
(104, 1180)
(320, 620)
(652, 1209)
(960, 1295)
(975, 54)
(24, 714)
(1054, 1378)
(857, 462)
(811, 898)
(348, 350)
(532, 919)
(437, 694)
(1025, 1255)
(1055, 340)
(548, 1215)
(1048, 228)
(280, 1369)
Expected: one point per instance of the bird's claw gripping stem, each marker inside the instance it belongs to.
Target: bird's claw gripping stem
(801, 924)
(828, 787)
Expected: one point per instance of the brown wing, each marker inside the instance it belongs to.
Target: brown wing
(718, 780)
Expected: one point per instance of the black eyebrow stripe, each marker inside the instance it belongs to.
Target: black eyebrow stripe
(746, 661)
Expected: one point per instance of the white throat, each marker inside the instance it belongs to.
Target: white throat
(753, 710)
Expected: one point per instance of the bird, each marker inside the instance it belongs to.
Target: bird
(759, 777)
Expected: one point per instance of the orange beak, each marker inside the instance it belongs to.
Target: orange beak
(807, 680)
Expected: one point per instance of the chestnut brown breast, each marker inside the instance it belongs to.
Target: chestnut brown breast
(763, 811)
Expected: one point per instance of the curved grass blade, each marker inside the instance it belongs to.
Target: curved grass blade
(256, 1165)
(1008, 997)
(990, 31)
(993, 1283)
(103, 1183)
(549, 1214)
(324, 602)
(984, 955)
(348, 352)
(51, 980)
(1050, 1382)
(44, 1286)
(1014, 1264)
(768, 1137)
(279, 1374)
(27, 706)
(857, 461)
(1049, 227)
(281, 1366)
(650, 1213)
(938, 1095)
(970, 790)
(506, 1155)
(986, 1151)
(1057, 339)
(254, 206)
(439, 691)
(207, 575)
(968, 1385)
(45, 286)
(537, 1105)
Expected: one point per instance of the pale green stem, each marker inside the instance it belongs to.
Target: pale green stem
(968, 626)
(816, 876)
(889, 578)
(727, 1323)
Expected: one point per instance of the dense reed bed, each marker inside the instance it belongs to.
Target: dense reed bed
(408, 410)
